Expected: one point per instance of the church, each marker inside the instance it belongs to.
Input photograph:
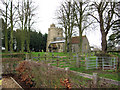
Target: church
(56, 41)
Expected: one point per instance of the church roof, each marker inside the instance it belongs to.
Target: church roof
(62, 41)
(76, 40)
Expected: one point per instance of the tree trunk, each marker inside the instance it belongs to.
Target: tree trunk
(11, 33)
(22, 40)
(70, 46)
(23, 31)
(70, 50)
(6, 32)
(80, 43)
(103, 33)
(80, 29)
(28, 36)
(66, 44)
(28, 41)
(104, 42)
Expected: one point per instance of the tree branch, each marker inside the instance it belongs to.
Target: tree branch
(94, 17)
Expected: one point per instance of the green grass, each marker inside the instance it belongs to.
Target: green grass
(106, 74)
(49, 53)
(113, 76)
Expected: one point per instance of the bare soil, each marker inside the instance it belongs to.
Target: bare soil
(7, 82)
(21, 83)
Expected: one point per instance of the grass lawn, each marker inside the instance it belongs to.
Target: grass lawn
(106, 74)
(49, 53)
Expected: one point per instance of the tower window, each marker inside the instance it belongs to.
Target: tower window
(58, 46)
(54, 39)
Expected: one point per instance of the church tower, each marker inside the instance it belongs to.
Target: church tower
(54, 34)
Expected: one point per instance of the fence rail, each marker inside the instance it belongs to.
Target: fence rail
(104, 63)
(10, 62)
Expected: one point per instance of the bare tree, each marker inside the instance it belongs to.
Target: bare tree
(11, 28)
(25, 12)
(31, 14)
(82, 19)
(105, 18)
(21, 23)
(63, 22)
(10, 20)
(67, 19)
(5, 16)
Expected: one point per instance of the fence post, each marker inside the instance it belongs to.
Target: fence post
(102, 63)
(52, 57)
(38, 56)
(32, 57)
(86, 63)
(69, 59)
(45, 57)
(96, 63)
(95, 79)
(67, 70)
(114, 62)
(26, 56)
(77, 61)
(111, 62)
(57, 61)
(118, 63)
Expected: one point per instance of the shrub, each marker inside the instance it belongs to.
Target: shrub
(24, 72)
(40, 75)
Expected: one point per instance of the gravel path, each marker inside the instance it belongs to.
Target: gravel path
(9, 83)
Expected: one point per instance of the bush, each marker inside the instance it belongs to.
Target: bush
(24, 72)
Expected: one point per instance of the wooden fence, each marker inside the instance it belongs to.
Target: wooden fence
(10, 62)
(62, 61)
(91, 62)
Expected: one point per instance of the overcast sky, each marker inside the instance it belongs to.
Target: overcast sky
(45, 14)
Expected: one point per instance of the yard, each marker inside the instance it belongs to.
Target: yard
(64, 61)
(41, 71)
